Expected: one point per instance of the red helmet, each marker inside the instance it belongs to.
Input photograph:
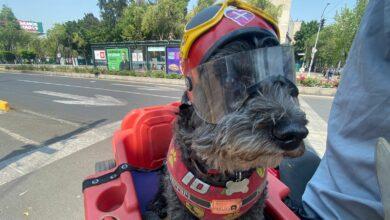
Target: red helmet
(219, 24)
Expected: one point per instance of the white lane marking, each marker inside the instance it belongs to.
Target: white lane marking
(30, 161)
(98, 100)
(18, 137)
(101, 89)
(318, 129)
(50, 117)
(160, 88)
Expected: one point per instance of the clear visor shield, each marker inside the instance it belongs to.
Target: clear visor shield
(222, 86)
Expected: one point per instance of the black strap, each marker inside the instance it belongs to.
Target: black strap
(113, 175)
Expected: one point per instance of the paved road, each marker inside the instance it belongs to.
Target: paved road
(57, 129)
(38, 119)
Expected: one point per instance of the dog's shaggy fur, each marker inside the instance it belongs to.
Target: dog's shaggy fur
(240, 142)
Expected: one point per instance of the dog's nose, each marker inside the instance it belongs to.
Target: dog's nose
(290, 134)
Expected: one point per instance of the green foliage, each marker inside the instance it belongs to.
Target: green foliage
(71, 69)
(7, 56)
(130, 23)
(335, 40)
(164, 20)
(111, 12)
(10, 31)
(56, 39)
(28, 55)
(160, 20)
(120, 20)
(308, 29)
(274, 10)
(303, 80)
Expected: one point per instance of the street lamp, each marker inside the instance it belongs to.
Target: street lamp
(314, 50)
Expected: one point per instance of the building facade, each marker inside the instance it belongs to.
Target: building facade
(286, 24)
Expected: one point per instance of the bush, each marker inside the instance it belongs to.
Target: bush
(158, 74)
(153, 74)
(317, 82)
(7, 57)
(28, 55)
(174, 76)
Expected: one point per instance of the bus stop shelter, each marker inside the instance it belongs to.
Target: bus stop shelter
(138, 56)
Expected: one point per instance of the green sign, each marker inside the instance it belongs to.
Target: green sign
(118, 59)
(31, 26)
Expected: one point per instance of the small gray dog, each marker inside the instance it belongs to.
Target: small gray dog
(269, 126)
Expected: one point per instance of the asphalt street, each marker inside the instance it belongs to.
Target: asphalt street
(59, 127)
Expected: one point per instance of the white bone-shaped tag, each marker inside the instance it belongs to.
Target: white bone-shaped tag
(234, 187)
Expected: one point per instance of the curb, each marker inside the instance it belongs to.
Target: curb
(317, 91)
(107, 77)
(4, 106)
(180, 82)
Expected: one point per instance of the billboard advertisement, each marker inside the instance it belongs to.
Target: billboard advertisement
(173, 60)
(118, 59)
(100, 54)
(31, 26)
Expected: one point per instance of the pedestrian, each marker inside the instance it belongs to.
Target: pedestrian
(332, 72)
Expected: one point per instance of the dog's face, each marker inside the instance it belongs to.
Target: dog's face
(268, 127)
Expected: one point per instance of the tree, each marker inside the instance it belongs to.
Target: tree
(90, 28)
(347, 23)
(164, 20)
(111, 12)
(85, 32)
(274, 10)
(130, 23)
(56, 39)
(308, 29)
(10, 31)
(37, 45)
(336, 39)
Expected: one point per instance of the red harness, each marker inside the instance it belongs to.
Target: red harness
(212, 202)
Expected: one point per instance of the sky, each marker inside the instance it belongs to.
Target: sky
(59, 11)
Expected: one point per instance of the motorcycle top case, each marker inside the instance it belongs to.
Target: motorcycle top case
(140, 147)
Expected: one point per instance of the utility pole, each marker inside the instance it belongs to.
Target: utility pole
(314, 50)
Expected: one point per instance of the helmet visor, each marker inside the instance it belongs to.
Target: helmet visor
(222, 86)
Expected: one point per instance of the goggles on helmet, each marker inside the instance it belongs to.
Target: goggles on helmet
(222, 86)
(212, 16)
